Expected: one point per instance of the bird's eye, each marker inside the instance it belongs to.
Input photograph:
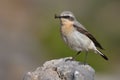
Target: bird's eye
(69, 17)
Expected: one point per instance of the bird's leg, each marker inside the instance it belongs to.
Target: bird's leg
(85, 60)
(73, 58)
(76, 55)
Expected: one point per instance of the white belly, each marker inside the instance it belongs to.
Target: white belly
(77, 41)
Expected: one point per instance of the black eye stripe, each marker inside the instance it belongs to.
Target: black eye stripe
(65, 16)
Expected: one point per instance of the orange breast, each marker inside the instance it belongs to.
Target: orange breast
(67, 28)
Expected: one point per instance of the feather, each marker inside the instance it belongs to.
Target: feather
(90, 36)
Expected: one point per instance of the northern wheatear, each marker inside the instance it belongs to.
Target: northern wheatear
(77, 36)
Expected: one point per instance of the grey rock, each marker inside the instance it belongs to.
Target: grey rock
(62, 69)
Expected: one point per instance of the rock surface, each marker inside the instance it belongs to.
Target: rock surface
(62, 69)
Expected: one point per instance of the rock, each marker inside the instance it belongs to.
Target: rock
(62, 69)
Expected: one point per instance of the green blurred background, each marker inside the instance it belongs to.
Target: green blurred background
(29, 35)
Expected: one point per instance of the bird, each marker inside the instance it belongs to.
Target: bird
(76, 36)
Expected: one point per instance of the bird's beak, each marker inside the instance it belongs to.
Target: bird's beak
(56, 16)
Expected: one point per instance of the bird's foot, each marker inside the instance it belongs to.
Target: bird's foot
(70, 59)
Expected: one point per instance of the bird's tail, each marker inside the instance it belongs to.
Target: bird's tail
(101, 54)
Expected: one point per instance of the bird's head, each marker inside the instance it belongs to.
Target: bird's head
(66, 17)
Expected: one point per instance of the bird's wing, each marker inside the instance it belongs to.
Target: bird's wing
(84, 31)
(76, 23)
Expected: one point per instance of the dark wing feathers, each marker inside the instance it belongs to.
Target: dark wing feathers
(85, 32)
